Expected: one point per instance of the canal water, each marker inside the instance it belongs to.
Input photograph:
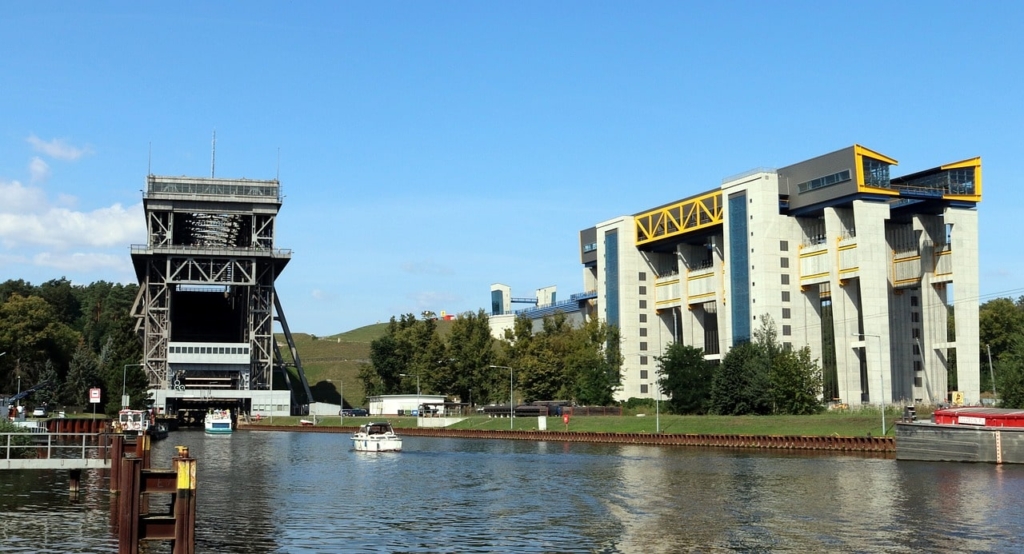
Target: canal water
(264, 492)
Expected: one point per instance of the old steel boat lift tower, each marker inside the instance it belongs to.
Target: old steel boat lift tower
(207, 303)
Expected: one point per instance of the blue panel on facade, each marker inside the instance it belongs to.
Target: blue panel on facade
(739, 264)
(497, 303)
(611, 276)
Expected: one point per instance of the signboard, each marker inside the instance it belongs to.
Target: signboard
(94, 396)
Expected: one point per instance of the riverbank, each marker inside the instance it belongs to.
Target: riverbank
(862, 423)
(881, 445)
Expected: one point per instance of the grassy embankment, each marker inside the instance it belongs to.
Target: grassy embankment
(848, 424)
(329, 361)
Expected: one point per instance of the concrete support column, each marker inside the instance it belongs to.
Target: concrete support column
(845, 313)
(869, 219)
(963, 246)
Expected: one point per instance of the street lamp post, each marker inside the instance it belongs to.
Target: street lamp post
(657, 406)
(881, 374)
(341, 406)
(417, 376)
(511, 403)
(124, 382)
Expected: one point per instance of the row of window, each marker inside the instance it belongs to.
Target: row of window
(209, 350)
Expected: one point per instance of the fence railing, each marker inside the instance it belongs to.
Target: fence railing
(53, 451)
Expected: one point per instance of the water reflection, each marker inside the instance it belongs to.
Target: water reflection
(298, 492)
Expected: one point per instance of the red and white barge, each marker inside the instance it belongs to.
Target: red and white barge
(969, 434)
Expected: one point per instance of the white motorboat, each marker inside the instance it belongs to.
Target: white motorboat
(218, 422)
(376, 437)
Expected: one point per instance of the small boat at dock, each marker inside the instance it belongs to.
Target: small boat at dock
(218, 422)
(376, 437)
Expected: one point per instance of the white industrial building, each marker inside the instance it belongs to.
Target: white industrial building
(853, 263)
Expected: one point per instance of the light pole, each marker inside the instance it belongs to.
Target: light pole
(511, 403)
(419, 404)
(124, 381)
(881, 374)
(417, 376)
(657, 406)
(341, 407)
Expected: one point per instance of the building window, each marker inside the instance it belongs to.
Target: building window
(784, 263)
(785, 296)
(917, 349)
(785, 313)
(642, 276)
(643, 304)
(826, 181)
(787, 346)
(913, 301)
(643, 373)
(784, 245)
(917, 382)
(643, 389)
(643, 290)
(643, 346)
(785, 278)
(917, 365)
(643, 331)
(643, 318)
(915, 317)
(915, 333)
(787, 330)
(643, 360)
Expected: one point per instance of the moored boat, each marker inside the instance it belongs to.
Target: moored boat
(376, 437)
(970, 434)
(218, 422)
(132, 422)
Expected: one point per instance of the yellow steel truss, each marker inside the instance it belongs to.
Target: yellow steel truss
(677, 219)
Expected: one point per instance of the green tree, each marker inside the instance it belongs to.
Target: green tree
(596, 363)
(686, 378)
(741, 384)
(796, 383)
(82, 376)
(31, 334)
(1010, 375)
(464, 370)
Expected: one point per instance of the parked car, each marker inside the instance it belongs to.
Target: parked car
(354, 412)
(40, 411)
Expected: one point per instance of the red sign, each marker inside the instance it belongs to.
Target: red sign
(94, 396)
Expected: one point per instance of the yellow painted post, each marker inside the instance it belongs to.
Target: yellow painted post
(184, 504)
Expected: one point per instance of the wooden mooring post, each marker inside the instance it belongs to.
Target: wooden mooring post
(135, 481)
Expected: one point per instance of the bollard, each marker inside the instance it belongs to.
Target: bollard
(185, 504)
(128, 510)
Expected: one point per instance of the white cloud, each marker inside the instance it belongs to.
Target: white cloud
(84, 262)
(426, 267)
(16, 198)
(434, 301)
(38, 169)
(62, 228)
(318, 294)
(58, 149)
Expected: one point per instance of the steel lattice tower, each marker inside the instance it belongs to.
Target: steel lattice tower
(206, 302)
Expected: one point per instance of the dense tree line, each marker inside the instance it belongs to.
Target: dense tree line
(758, 377)
(1001, 330)
(559, 361)
(71, 337)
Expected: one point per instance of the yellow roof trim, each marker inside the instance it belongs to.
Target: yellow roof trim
(861, 151)
(972, 162)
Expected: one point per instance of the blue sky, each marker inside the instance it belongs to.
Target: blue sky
(430, 149)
